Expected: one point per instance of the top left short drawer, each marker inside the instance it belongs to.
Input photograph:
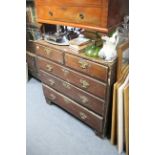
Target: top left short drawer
(50, 53)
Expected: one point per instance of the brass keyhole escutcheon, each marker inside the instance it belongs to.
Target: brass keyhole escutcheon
(83, 64)
(81, 15)
(51, 82)
(66, 85)
(83, 115)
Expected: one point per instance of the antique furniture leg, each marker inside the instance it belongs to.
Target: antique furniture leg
(48, 101)
(99, 134)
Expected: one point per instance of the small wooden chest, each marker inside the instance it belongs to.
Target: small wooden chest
(100, 15)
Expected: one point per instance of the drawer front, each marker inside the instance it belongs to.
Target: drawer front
(88, 67)
(30, 47)
(49, 66)
(93, 103)
(77, 110)
(69, 2)
(31, 61)
(50, 53)
(80, 15)
(84, 82)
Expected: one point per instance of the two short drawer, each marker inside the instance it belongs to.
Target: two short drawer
(87, 67)
(85, 99)
(77, 110)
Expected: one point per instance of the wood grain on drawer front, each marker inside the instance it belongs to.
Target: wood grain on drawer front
(88, 67)
(49, 66)
(82, 81)
(69, 2)
(90, 101)
(31, 47)
(34, 73)
(31, 61)
(81, 15)
(50, 53)
(77, 110)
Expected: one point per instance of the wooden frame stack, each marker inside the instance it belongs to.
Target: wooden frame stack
(120, 107)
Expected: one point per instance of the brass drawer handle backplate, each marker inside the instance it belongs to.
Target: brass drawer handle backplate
(49, 67)
(83, 115)
(83, 64)
(84, 83)
(84, 99)
(48, 51)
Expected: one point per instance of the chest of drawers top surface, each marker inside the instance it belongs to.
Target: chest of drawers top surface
(44, 47)
(100, 15)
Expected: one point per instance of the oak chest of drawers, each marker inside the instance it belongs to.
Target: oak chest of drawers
(78, 84)
(100, 15)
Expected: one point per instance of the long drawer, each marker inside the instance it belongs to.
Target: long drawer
(90, 101)
(84, 82)
(77, 110)
(50, 53)
(80, 15)
(88, 67)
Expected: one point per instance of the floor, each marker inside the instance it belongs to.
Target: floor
(52, 131)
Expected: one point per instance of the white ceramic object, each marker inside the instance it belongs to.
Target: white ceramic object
(108, 51)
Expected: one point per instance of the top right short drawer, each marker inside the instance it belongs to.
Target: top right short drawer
(87, 67)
